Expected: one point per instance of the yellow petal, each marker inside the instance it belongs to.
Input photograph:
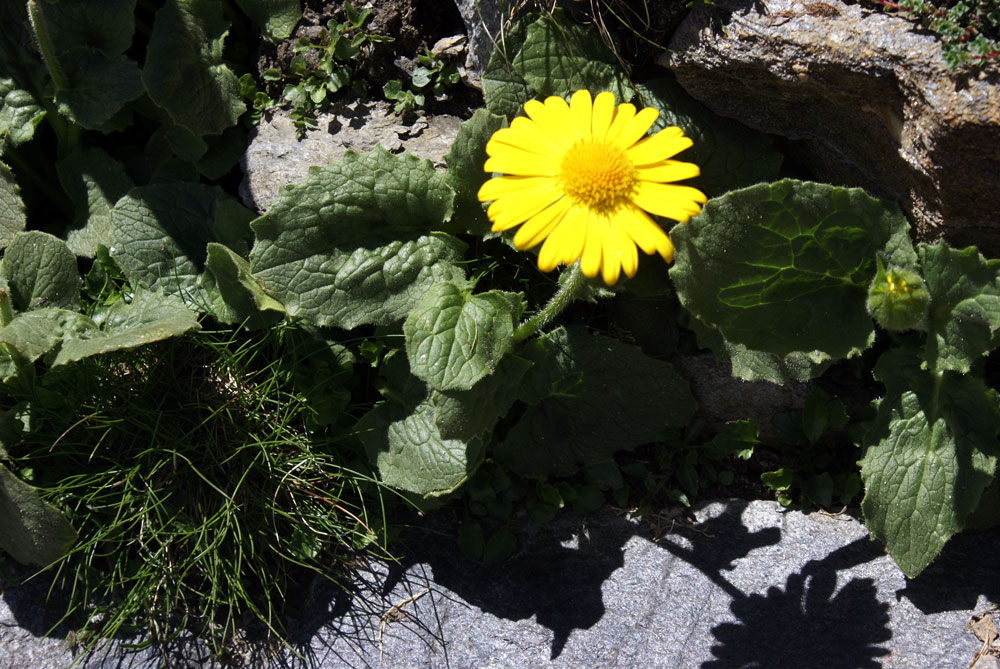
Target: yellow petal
(534, 138)
(668, 170)
(604, 111)
(641, 228)
(498, 187)
(511, 210)
(664, 144)
(611, 265)
(551, 252)
(523, 164)
(633, 131)
(508, 140)
(627, 253)
(677, 202)
(666, 249)
(623, 115)
(590, 260)
(581, 111)
(572, 239)
(539, 226)
(552, 119)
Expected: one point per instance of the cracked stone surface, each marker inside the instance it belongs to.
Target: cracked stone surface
(736, 584)
(867, 95)
(276, 156)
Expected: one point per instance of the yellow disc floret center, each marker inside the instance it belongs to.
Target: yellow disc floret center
(597, 174)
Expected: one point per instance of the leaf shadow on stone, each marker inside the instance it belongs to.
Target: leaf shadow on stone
(810, 620)
(555, 575)
(965, 570)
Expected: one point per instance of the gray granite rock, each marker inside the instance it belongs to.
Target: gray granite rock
(277, 156)
(869, 96)
(482, 26)
(738, 584)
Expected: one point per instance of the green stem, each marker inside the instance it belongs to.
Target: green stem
(45, 46)
(6, 312)
(567, 293)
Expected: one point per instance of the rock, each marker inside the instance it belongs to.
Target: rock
(723, 397)
(276, 156)
(868, 95)
(482, 25)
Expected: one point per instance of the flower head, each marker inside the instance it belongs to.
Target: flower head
(582, 176)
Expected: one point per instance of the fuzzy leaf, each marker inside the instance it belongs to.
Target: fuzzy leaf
(402, 439)
(504, 89)
(760, 366)
(98, 87)
(20, 114)
(454, 338)
(148, 318)
(772, 265)
(35, 333)
(159, 235)
(185, 72)
(276, 18)
(351, 243)
(465, 171)
(103, 25)
(41, 272)
(12, 216)
(930, 455)
(729, 154)
(559, 56)
(32, 531)
(236, 296)
(466, 414)
(592, 396)
(964, 316)
(94, 181)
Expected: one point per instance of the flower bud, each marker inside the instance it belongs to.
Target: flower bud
(898, 299)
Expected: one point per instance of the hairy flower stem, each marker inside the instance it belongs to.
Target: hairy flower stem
(45, 46)
(571, 288)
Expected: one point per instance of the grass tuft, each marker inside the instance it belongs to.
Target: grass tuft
(203, 484)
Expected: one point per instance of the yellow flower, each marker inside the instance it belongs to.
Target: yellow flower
(581, 177)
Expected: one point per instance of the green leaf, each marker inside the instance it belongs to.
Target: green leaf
(159, 235)
(20, 113)
(88, 39)
(465, 414)
(103, 25)
(504, 89)
(41, 272)
(559, 56)
(185, 72)
(964, 316)
(98, 88)
(772, 265)
(148, 318)
(592, 396)
(729, 154)
(454, 338)
(930, 454)
(35, 333)
(12, 216)
(758, 365)
(465, 171)
(500, 546)
(401, 438)
(94, 181)
(236, 296)
(32, 531)
(276, 18)
(222, 152)
(352, 243)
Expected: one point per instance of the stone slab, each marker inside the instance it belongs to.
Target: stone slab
(740, 584)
